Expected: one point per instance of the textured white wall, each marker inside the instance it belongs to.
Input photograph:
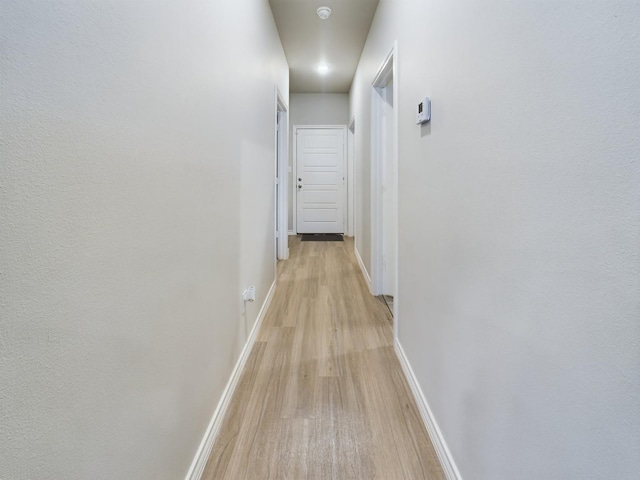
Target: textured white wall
(136, 203)
(519, 228)
(313, 109)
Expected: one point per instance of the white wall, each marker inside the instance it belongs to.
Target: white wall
(136, 203)
(519, 228)
(313, 109)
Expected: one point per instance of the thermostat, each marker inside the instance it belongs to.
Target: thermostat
(424, 111)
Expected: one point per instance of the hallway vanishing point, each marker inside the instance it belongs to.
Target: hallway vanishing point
(322, 395)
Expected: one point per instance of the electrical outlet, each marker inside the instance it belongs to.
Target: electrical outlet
(249, 294)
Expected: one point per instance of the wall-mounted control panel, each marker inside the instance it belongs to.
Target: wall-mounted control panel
(423, 113)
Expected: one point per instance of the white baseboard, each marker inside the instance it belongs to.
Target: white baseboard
(365, 274)
(204, 450)
(444, 455)
(291, 232)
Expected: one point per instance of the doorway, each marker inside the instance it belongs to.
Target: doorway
(384, 179)
(319, 162)
(281, 190)
(351, 184)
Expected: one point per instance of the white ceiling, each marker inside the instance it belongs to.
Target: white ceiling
(309, 41)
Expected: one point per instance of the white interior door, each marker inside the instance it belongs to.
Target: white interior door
(389, 194)
(320, 180)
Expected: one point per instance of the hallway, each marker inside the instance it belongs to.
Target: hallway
(323, 395)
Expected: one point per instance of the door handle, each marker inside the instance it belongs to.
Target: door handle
(299, 186)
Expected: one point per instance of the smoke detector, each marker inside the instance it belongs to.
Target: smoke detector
(324, 13)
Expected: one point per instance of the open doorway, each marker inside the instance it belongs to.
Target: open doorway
(281, 184)
(384, 190)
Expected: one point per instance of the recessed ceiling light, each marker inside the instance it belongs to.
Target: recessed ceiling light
(323, 68)
(324, 12)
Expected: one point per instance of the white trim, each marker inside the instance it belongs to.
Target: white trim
(365, 274)
(294, 178)
(444, 454)
(282, 161)
(291, 232)
(351, 195)
(385, 72)
(344, 171)
(388, 70)
(206, 445)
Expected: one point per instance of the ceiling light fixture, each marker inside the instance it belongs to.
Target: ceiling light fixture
(323, 68)
(324, 13)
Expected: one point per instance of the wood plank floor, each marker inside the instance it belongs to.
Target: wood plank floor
(323, 395)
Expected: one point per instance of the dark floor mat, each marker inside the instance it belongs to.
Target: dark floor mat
(322, 237)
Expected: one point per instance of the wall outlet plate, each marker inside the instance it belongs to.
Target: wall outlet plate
(249, 295)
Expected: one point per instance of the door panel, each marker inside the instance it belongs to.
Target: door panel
(320, 182)
(320, 159)
(328, 180)
(311, 196)
(320, 215)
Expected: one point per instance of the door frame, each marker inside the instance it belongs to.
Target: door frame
(281, 182)
(387, 71)
(351, 178)
(294, 196)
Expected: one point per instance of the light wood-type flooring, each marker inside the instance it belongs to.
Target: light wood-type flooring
(323, 395)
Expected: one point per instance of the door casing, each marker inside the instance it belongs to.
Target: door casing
(387, 74)
(281, 186)
(351, 180)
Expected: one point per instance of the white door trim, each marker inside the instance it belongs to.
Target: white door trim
(282, 176)
(387, 71)
(351, 180)
(295, 168)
